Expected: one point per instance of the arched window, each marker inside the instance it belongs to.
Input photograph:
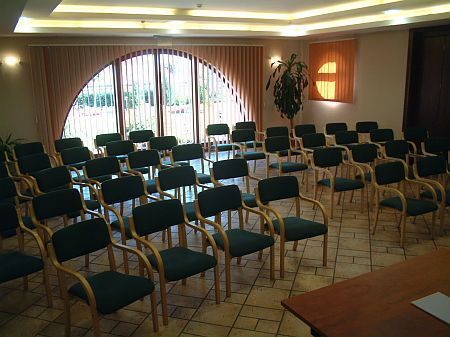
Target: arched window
(170, 92)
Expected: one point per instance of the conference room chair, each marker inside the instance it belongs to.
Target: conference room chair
(438, 146)
(98, 170)
(74, 159)
(17, 263)
(176, 262)
(26, 149)
(235, 242)
(277, 131)
(326, 159)
(434, 171)
(330, 130)
(302, 129)
(67, 143)
(250, 125)
(346, 139)
(233, 169)
(280, 147)
(218, 140)
(141, 137)
(396, 172)
(25, 185)
(183, 154)
(163, 145)
(363, 128)
(101, 140)
(290, 228)
(312, 141)
(400, 150)
(243, 138)
(145, 162)
(28, 166)
(119, 149)
(381, 136)
(119, 191)
(105, 292)
(415, 136)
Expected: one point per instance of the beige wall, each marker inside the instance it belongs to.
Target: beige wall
(17, 114)
(380, 79)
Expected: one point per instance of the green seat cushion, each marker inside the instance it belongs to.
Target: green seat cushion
(226, 147)
(16, 264)
(190, 211)
(427, 194)
(413, 206)
(151, 186)
(288, 166)
(143, 170)
(78, 166)
(12, 232)
(249, 200)
(203, 178)
(180, 263)
(244, 242)
(92, 204)
(115, 224)
(101, 178)
(113, 290)
(249, 144)
(342, 184)
(182, 163)
(314, 148)
(251, 155)
(299, 229)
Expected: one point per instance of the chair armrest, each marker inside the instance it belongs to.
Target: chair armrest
(139, 254)
(254, 178)
(397, 192)
(318, 204)
(208, 235)
(427, 186)
(268, 221)
(277, 215)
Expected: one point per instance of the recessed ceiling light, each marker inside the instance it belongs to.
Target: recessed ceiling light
(392, 11)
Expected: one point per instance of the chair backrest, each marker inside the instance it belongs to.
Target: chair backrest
(79, 239)
(174, 177)
(4, 171)
(364, 153)
(389, 173)
(437, 145)
(381, 135)
(157, 216)
(314, 140)
(278, 143)
(34, 163)
(397, 149)
(67, 143)
(431, 166)
(249, 125)
(278, 188)
(119, 147)
(144, 158)
(122, 189)
(141, 136)
(303, 129)
(277, 131)
(216, 200)
(186, 152)
(243, 135)
(346, 137)
(26, 149)
(8, 191)
(10, 220)
(327, 157)
(53, 178)
(103, 139)
(57, 203)
(75, 155)
(163, 143)
(415, 134)
(366, 127)
(217, 129)
(332, 128)
(231, 168)
(104, 166)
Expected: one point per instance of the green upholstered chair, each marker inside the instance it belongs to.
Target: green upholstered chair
(250, 125)
(330, 130)
(218, 140)
(119, 149)
(280, 147)
(24, 184)
(145, 162)
(291, 228)
(246, 139)
(141, 136)
(104, 292)
(67, 143)
(313, 141)
(27, 166)
(366, 126)
(235, 242)
(74, 159)
(182, 155)
(302, 129)
(16, 263)
(438, 146)
(381, 136)
(400, 150)
(101, 140)
(232, 169)
(277, 131)
(118, 191)
(346, 139)
(415, 136)
(179, 178)
(27, 149)
(326, 159)
(176, 262)
(163, 145)
(395, 172)
(434, 171)
(98, 170)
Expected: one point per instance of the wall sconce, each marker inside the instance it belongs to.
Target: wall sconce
(10, 61)
(274, 58)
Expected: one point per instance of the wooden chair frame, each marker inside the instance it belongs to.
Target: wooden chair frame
(243, 149)
(291, 152)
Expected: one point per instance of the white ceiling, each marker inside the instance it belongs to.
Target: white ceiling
(255, 18)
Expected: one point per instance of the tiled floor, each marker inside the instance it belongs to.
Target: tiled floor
(254, 308)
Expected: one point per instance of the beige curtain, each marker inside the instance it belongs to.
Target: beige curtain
(60, 72)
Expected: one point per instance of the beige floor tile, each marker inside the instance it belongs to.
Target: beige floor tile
(348, 270)
(261, 313)
(206, 330)
(219, 314)
(267, 326)
(247, 323)
(173, 329)
(267, 297)
(246, 333)
(311, 282)
(381, 259)
(22, 326)
(292, 326)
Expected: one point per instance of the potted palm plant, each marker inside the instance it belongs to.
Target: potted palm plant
(291, 80)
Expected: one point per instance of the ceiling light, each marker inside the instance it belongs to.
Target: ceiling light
(392, 11)
(11, 60)
(113, 10)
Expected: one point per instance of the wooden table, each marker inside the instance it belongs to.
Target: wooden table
(378, 303)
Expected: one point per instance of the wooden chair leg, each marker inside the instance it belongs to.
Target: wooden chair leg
(272, 262)
(441, 220)
(247, 215)
(162, 289)
(67, 320)
(325, 249)
(362, 200)
(229, 219)
(402, 230)
(95, 321)
(332, 205)
(217, 283)
(154, 312)
(239, 259)
(228, 274)
(433, 222)
(377, 212)
(46, 281)
(295, 245)
(282, 242)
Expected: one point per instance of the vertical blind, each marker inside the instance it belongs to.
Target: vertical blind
(153, 92)
(332, 68)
